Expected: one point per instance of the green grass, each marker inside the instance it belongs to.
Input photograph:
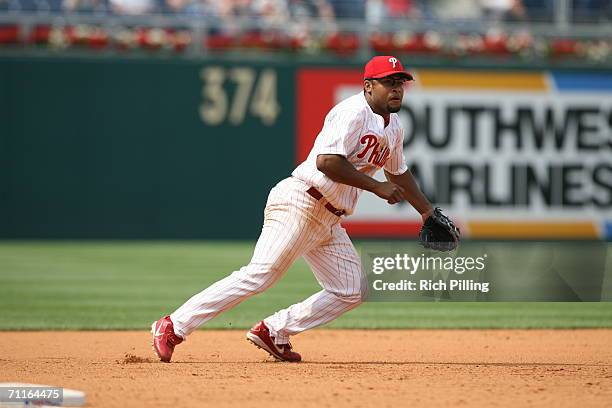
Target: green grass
(126, 285)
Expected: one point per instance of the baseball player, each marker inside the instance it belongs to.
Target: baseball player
(302, 218)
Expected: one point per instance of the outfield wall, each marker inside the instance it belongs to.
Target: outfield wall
(156, 148)
(141, 148)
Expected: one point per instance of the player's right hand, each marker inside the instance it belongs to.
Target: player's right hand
(389, 191)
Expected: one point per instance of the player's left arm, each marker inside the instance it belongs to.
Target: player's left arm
(397, 172)
(412, 192)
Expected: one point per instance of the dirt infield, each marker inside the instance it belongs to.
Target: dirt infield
(356, 368)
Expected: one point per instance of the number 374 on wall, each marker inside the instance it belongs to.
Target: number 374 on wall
(252, 94)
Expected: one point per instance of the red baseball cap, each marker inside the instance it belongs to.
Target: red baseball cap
(385, 65)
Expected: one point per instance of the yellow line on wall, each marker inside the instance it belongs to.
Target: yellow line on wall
(519, 81)
(547, 230)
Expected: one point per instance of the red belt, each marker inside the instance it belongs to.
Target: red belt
(317, 196)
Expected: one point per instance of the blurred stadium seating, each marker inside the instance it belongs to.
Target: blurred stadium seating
(524, 29)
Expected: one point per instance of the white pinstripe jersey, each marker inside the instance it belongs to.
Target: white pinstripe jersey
(351, 129)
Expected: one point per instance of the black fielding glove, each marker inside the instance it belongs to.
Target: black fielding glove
(439, 233)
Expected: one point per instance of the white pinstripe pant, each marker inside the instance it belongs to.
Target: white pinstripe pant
(295, 224)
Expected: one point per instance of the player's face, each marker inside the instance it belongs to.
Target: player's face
(386, 94)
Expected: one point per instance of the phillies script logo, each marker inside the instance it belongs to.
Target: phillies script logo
(377, 157)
